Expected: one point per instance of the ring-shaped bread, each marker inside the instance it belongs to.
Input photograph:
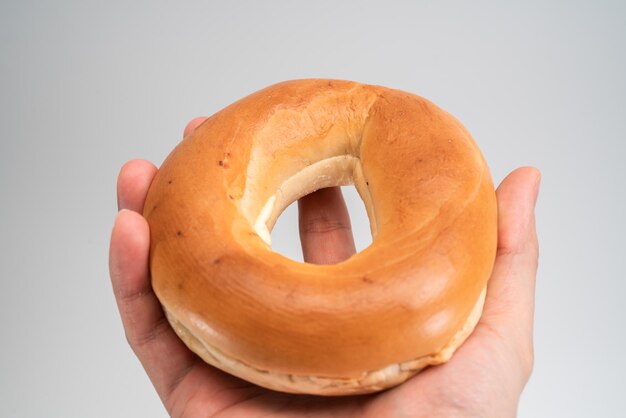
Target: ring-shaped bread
(370, 322)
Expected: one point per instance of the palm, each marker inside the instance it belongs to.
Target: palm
(440, 387)
(485, 376)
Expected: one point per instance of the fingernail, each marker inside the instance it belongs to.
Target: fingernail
(120, 212)
(117, 217)
(537, 187)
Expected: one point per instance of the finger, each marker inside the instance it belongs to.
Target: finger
(193, 124)
(133, 182)
(163, 355)
(325, 230)
(509, 306)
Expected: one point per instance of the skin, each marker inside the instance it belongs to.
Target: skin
(484, 378)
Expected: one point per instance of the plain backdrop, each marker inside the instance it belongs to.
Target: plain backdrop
(87, 85)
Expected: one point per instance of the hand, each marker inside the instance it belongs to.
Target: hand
(484, 378)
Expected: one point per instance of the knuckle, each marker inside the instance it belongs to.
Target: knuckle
(140, 339)
(321, 225)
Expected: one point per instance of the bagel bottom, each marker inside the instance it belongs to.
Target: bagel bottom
(326, 171)
(369, 381)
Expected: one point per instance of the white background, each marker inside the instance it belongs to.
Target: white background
(87, 85)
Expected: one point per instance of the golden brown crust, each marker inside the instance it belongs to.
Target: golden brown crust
(403, 297)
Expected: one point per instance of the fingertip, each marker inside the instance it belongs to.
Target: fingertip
(519, 188)
(193, 124)
(133, 182)
(532, 177)
(517, 196)
(523, 176)
(137, 164)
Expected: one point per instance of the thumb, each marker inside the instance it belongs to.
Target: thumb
(509, 306)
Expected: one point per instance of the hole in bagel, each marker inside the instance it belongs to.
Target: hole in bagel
(324, 229)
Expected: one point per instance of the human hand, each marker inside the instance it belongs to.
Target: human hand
(484, 378)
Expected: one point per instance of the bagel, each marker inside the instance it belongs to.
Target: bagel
(370, 322)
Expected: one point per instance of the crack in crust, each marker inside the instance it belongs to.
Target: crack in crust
(368, 382)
